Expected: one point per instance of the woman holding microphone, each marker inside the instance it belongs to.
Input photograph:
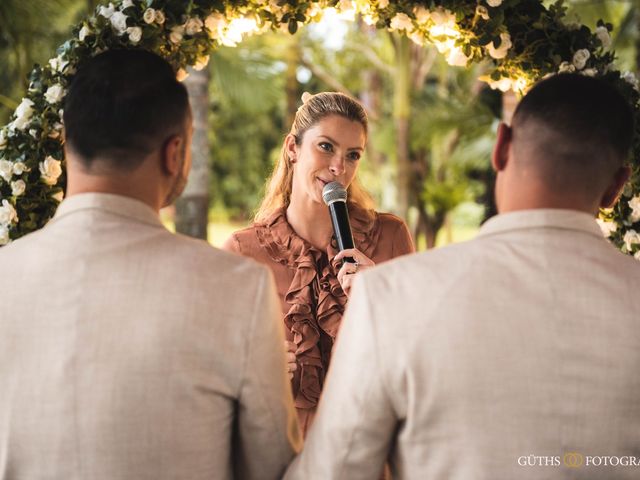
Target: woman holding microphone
(293, 235)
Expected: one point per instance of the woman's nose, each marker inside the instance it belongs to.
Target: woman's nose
(337, 165)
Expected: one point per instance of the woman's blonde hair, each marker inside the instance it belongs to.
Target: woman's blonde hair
(315, 108)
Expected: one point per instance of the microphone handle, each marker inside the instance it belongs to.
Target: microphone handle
(342, 227)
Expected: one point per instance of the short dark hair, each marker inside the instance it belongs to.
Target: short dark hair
(121, 105)
(588, 117)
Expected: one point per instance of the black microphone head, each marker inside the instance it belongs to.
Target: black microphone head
(334, 192)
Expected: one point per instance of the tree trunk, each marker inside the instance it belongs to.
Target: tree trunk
(434, 224)
(401, 115)
(192, 208)
(371, 98)
(637, 45)
(293, 58)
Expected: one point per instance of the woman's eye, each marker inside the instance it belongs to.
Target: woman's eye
(355, 156)
(326, 146)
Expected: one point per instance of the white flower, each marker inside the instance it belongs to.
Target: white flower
(194, 25)
(482, 12)
(107, 12)
(201, 63)
(54, 94)
(416, 37)
(313, 10)
(580, 58)
(215, 23)
(58, 196)
(176, 34)
(603, 35)
(571, 26)
(3, 139)
(383, 3)
(494, 3)
(84, 32)
(370, 19)
(181, 75)
(422, 14)
(58, 64)
(149, 15)
(55, 131)
(631, 237)
(6, 170)
(346, 6)
(566, 67)
(19, 168)
(23, 114)
(607, 228)
(589, 72)
(443, 18)
(631, 79)
(160, 18)
(50, 170)
(8, 214)
(634, 205)
(119, 22)
(126, 4)
(504, 84)
(457, 58)
(401, 21)
(18, 187)
(34, 133)
(501, 51)
(4, 235)
(135, 34)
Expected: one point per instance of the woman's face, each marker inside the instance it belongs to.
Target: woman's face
(330, 151)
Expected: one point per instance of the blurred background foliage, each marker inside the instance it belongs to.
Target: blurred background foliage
(432, 125)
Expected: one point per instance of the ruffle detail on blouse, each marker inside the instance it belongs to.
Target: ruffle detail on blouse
(315, 296)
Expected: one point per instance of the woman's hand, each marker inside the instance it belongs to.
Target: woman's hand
(348, 270)
(292, 366)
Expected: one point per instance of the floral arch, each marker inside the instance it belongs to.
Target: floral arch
(523, 39)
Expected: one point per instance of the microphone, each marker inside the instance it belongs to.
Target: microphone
(335, 197)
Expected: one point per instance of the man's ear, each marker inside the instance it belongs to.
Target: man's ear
(291, 148)
(500, 154)
(171, 155)
(614, 189)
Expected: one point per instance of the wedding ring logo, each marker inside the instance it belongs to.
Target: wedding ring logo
(573, 459)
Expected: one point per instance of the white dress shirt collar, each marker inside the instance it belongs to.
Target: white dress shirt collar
(542, 218)
(115, 204)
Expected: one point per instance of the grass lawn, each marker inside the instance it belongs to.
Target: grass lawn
(220, 231)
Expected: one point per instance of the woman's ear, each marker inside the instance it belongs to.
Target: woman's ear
(291, 148)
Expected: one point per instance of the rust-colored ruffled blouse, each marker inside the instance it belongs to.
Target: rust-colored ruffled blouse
(312, 300)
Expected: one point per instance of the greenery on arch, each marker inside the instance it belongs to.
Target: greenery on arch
(523, 39)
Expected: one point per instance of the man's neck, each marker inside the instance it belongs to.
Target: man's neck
(530, 199)
(143, 183)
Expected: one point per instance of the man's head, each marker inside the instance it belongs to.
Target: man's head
(127, 118)
(566, 148)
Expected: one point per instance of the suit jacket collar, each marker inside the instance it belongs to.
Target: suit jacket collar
(106, 202)
(542, 218)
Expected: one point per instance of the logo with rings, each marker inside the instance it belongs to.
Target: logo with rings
(573, 459)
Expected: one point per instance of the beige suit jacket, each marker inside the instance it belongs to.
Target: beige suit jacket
(128, 352)
(458, 363)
